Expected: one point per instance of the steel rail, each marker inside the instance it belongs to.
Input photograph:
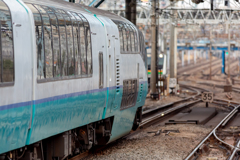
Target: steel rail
(171, 110)
(212, 133)
(87, 154)
(234, 151)
(196, 68)
(162, 114)
(172, 103)
(179, 101)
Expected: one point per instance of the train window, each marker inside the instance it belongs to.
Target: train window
(75, 44)
(70, 55)
(47, 42)
(83, 46)
(63, 43)
(77, 33)
(121, 36)
(124, 39)
(88, 45)
(128, 37)
(142, 47)
(140, 41)
(136, 41)
(89, 55)
(6, 52)
(127, 28)
(142, 44)
(132, 38)
(39, 42)
(100, 69)
(135, 38)
(55, 42)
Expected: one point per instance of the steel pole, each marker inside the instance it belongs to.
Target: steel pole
(128, 9)
(238, 60)
(154, 51)
(134, 12)
(165, 52)
(182, 58)
(229, 50)
(173, 48)
(194, 54)
(210, 54)
(131, 10)
(210, 75)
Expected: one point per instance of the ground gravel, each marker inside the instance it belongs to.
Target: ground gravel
(146, 145)
(172, 146)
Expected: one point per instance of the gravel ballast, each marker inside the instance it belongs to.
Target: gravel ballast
(147, 145)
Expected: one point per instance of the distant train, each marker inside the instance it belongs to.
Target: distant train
(71, 77)
(161, 63)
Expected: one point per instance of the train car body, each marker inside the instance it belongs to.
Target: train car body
(69, 74)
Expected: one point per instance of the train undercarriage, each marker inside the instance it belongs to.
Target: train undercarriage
(70, 143)
(65, 145)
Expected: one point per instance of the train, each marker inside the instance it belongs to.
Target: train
(161, 64)
(72, 77)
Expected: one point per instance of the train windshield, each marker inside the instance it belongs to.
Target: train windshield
(160, 62)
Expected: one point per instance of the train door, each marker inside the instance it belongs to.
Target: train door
(111, 32)
(118, 96)
(111, 69)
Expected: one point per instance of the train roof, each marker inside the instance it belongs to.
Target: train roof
(77, 8)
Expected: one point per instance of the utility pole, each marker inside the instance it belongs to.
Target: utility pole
(238, 59)
(173, 48)
(131, 10)
(210, 74)
(195, 54)
(154, 67)
(229, 50)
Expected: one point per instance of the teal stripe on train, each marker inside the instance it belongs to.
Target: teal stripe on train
(123, 120)
(14, 124)
(57, 116)
(62, 115)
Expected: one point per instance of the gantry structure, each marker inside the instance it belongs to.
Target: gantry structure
(187, 16)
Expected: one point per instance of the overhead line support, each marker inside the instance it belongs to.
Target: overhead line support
(154, 55)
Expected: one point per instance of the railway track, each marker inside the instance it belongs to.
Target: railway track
(218, 139)
(186, 64)
(234, 88)
(224, 139)
(161, 113)
(152, 116)
(216, 68)
(196, 67)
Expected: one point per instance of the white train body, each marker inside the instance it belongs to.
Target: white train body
(47, 91)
